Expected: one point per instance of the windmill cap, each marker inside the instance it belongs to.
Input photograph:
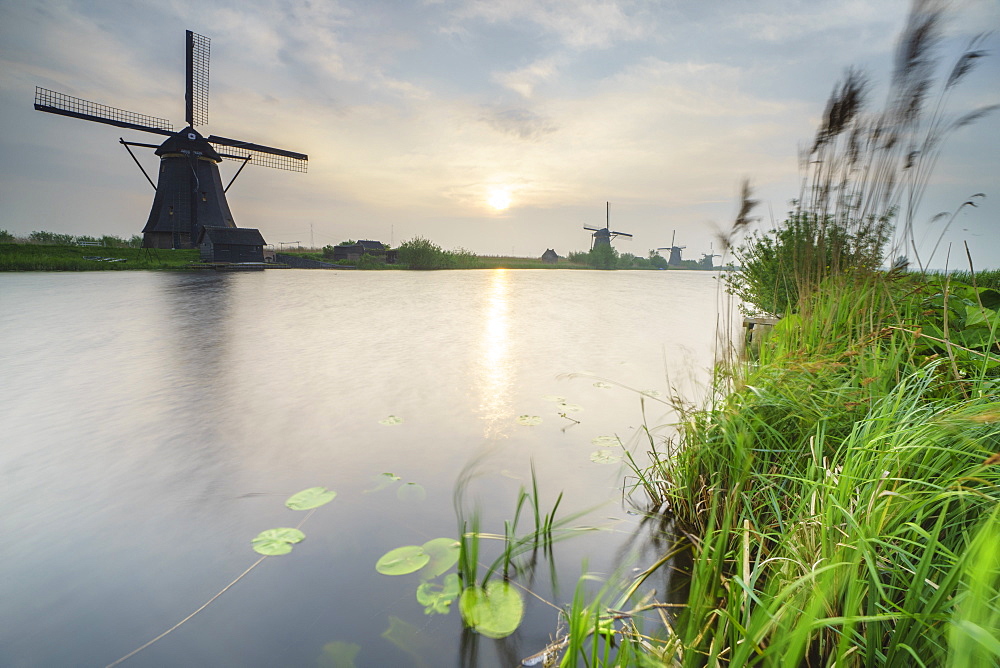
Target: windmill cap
(189, 140)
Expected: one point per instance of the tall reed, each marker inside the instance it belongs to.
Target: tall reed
(864, 174)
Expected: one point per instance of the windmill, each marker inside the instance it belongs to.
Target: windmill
(707, 260)
(675, 252)
(603, 236)
(189, 192)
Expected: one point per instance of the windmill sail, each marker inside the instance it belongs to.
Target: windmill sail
(67, 105)
(264, 156)
(199, 49)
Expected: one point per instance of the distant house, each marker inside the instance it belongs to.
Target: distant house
(550, 257)
(354, 252)
(231, 244)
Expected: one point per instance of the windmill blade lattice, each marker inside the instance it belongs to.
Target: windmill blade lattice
(67, 105)
(199, 50)
(265, 156)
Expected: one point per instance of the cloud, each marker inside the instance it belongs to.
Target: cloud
(524, 80)
(522, 123)
(578, 24)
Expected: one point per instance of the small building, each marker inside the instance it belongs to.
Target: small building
(354, 252)
(231, 244)
(550, 256)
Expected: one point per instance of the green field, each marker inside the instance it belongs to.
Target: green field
(32, 257)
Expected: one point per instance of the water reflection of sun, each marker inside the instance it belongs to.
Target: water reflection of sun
(499, 199)
(495, 363)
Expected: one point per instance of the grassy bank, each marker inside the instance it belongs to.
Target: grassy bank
(35, 257)
(842, 501)
(839, 494)
(501, 262)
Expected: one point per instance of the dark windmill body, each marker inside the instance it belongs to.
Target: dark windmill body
(190, 195)
(603, 236)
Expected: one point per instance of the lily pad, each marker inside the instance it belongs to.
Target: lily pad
(552, 397)
(274, 542)
(417, 643)
(604, 456)
(529, 420)
(339, 654)
(437, 599)
(495, 611)
(411, 491)
(655, 394)
(402, 560)
(382, 481)
(604, 386)
(391, 420)
(314, 497)
(443, 554)
(607, 442)
(571, 408)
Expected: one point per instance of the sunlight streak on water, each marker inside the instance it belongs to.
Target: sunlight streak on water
(495, 368)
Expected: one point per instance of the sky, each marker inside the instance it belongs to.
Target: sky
(498, 126)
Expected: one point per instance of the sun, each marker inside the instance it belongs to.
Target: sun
(499, 199)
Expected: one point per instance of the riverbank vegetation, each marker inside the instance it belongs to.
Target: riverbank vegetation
(838, 498)
(41, 257)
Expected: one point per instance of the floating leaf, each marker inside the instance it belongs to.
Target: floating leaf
(604, 457)
(274, 542)
(529, 420)
(607, 441)
(552, 397)
(411, 640)
(314, 497)
(411, 491)
(391, 420)
(382, 481)
(437, 599)
(655, 394)
(571, 408)
(601, 384)
(402, 560)
(338, 654)
(443, 553)
(495, 611)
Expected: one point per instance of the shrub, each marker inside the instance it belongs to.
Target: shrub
(657, 261)
(420, 253)
(369, 261)
(603, 257)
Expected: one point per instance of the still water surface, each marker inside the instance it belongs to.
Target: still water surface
(153, 423)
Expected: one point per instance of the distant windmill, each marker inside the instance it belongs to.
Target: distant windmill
(189, 191)
(708, 259)
(675, 252)
(603, 236)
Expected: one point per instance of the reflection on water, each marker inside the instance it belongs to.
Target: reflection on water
(155, 422)
(495, 368)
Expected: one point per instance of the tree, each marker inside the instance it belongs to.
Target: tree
(657, 260)
(420, 253)
(603, 256)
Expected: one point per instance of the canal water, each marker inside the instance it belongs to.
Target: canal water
(154, 423)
